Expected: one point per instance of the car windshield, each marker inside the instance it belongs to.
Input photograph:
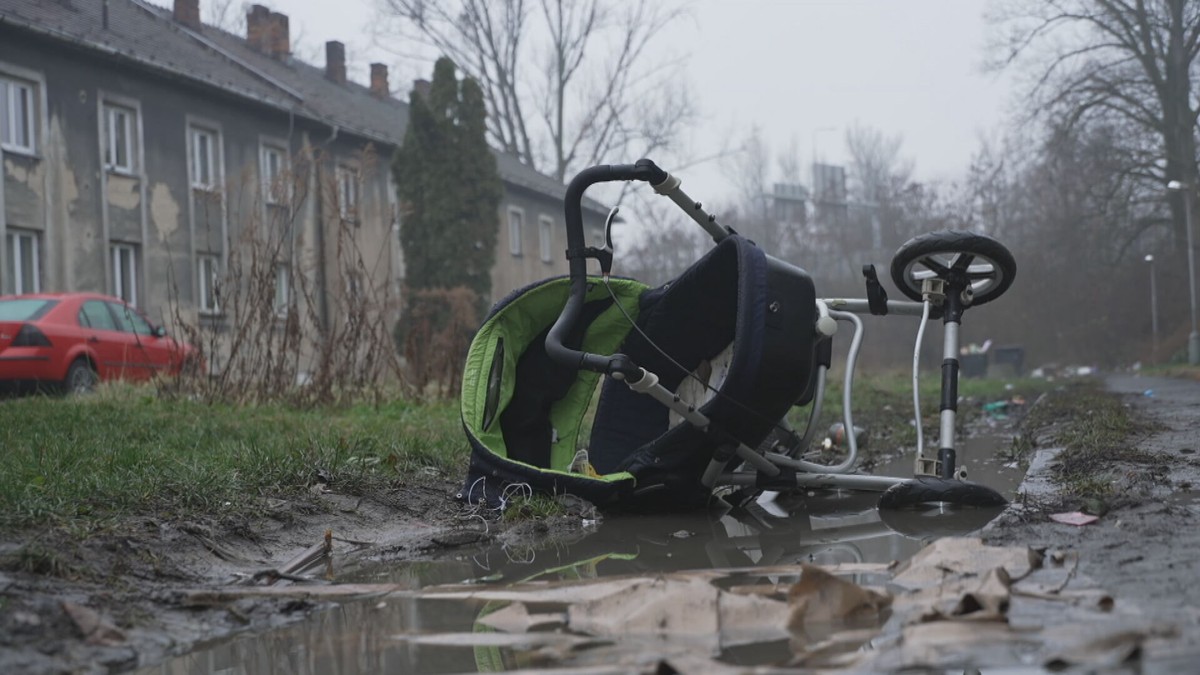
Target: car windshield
(25, 309)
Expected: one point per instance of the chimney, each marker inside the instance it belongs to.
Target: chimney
(187, 12)
(256, 27)
(280, 44)
(379, 82)
(421, 88)
(335, 61)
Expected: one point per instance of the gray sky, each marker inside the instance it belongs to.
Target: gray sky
(803, 70)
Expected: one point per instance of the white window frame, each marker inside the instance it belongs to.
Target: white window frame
(283, 289)
(348, 192)
(14, 241)
(10, 118)
(122, 254)
(212, 155)
(123, 116)
(273, 186)
(516, 223)
(546, 238)
(208, 276)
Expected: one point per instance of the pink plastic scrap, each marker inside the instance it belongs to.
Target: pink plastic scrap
(1074, 518)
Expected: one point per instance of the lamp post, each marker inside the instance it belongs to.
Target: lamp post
(1153, 308)
(1194, 336)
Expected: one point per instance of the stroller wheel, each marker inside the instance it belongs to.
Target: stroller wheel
(931, 490)
(964, 259)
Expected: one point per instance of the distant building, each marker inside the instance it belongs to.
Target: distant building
(142, 150)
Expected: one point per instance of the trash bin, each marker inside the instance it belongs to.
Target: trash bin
(973, 365)
(1012, 356)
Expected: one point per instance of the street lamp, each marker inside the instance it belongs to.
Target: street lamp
(1153, 308)
(1194, 336)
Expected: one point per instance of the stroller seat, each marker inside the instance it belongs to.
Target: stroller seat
(523, 413)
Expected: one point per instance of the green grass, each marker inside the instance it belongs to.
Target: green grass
(882, 403)
(1096, 431)
(124, 451)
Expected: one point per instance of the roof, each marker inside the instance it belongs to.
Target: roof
(148, 36)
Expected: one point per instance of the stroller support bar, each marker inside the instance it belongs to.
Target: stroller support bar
(862, 306)
(670, 188)
(828, 481)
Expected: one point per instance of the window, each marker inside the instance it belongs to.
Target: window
(208, 269)
(130, 321)
(16, 115)
(272, 165)
(24, 272)
(347, 185)
(95, 314)
(206, 174)
(516, 222)
(124, 272)
(546, 238)
(119, 129)
(283, 288)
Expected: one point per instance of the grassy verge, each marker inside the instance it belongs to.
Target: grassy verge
(1096, 432)
(883, 405)
(125, 452)
(78, 462)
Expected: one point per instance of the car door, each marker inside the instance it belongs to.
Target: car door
(145, 352)
(104, 339)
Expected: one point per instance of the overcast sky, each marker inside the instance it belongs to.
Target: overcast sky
(803, 70)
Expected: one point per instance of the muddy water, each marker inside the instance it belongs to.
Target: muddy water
(395, 635)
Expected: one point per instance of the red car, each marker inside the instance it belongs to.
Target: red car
(74, 340)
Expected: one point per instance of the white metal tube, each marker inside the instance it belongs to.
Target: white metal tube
(847, 412)
(916, 375)
(949, 351)
(862, 306)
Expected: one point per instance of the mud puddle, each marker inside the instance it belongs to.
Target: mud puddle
(407, 633)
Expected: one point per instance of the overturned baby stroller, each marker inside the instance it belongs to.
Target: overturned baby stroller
(700, 373)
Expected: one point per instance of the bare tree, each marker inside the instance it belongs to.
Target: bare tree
(567, 82)
(1126, 62)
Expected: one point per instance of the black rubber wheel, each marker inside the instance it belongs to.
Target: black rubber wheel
(81, 378)
(931, 490)
(959, 258)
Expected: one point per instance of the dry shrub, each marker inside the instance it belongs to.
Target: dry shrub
(436, 332)
(327, 340)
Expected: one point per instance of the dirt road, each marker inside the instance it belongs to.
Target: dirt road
(1146, 550)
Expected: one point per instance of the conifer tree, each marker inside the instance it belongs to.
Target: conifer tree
(448, 186)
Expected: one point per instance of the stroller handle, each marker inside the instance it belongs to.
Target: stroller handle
(577, 255)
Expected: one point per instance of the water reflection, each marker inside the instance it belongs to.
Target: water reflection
(373, 636)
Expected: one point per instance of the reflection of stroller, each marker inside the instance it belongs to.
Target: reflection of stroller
(701, 371)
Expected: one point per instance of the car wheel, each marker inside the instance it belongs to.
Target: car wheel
(81, 378)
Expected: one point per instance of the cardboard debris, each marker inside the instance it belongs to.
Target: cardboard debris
(1074, 518)
(489, 639)
(96, 630)
(962, 556)
(972, 598)
(675, 607)
(515, 618)
(562, 592)
(958, 603)
(1098, 646)
(821, 598)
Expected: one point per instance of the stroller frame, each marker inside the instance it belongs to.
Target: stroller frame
(943, 274)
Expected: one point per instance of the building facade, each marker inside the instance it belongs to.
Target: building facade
(150, 156)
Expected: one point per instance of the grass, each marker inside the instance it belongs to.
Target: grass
(883, 403)
(1095, 431)
(124, 451)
